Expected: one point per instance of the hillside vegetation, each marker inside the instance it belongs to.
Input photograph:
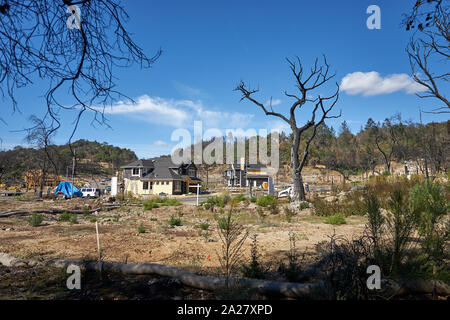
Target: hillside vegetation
(92, 158)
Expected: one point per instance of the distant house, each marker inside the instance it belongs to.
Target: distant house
(159, 175)
(244, 174)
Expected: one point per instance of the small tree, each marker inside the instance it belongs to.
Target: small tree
(232, 236)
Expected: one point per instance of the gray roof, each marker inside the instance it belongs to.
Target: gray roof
(163, 168)
(139, 164)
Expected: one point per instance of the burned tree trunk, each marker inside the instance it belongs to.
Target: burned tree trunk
(317, 77)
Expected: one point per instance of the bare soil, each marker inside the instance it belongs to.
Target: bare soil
(185, 246)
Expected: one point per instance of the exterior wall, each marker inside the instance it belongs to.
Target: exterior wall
(166, 188)
(135, 187)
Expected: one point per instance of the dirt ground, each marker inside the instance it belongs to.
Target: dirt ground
(185, 246)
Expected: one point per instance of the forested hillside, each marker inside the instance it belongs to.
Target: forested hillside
(92, 157)
(375, 144)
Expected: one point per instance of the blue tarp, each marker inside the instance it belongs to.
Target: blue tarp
(67, 188)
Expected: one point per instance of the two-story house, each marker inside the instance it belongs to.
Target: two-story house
(159, 175)
(243, 174)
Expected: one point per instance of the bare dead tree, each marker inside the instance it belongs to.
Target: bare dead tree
(387, 140)
(429, 49)
(306, 83)
(39, 136)
(36, 44)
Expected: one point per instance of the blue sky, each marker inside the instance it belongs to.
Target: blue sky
(209, 46)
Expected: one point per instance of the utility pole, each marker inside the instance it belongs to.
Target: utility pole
(73, 172)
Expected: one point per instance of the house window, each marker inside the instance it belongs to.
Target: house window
(157, 182)
(135, 172)
(145, 185)
(177, 186)
(151, 185)
(191, 172)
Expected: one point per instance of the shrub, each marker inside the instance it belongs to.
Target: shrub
(93, 220)
(175, 221)
(266, 201)
(232, 238)
(35, 220)
(289, 213)
(153, 219)
(240, 197)
(68, 217)
(116, 218)
(273, 208)
(303, 206)
(337, 219)
(254, 269)
(65, 216)
(150, 204)
(204, 226)
(292, 270)
(73, 219)
(163, 202)
(253, 199)
(261, 213)
(430, 207)
(141, 229)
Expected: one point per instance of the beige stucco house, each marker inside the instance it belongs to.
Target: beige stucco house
(159, 175)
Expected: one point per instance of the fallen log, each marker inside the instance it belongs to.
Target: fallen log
(390, 288)
(55, 211)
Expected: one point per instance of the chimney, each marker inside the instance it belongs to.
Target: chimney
(242, 164)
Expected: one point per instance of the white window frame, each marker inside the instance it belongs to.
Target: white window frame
(135, 175)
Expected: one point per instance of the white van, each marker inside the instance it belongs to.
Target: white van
(90, 192)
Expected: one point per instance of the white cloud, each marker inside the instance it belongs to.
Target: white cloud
(160, 143)
(275, 102)
(372, 84)
(178, 113)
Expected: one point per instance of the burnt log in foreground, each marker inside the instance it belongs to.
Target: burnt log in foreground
(54, 211)
(390, 289)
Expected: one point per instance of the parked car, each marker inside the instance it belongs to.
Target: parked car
(108, 188)
(90, 192)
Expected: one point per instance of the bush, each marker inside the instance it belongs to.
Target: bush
(292, 270)
(141, 229)
(239, 198)
(254, 269)
(337, 219)
(93, 220)
(150, 204)
(68, 217)
(175, 221)
(352, 204)
(289, 213)
(266, 201)
(73, 219)
(204, 226)
(430, 207)
(35, 220)
(163, 202)
(65, 216)
(273, 208)
(303, 206)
